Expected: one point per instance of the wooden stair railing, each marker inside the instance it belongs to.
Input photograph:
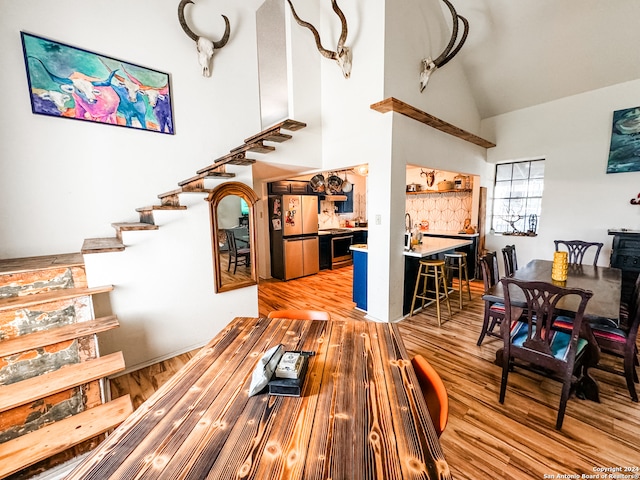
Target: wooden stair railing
(171, 200)
(52, 397)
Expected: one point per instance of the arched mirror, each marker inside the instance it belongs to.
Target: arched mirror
(233, 235)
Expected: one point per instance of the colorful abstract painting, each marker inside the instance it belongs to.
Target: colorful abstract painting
(69, 82)
(624, 153)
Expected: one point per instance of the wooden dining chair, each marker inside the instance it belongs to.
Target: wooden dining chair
(237, 256)
(532, 342)
(493, 311)
(510, 260)
(577, 250)
(300, 314)
(434, 392)
(619, 339)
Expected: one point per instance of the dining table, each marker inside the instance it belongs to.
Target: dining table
(360, 415)
(606, 285)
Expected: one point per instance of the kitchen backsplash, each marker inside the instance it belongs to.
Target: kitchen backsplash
(443, 211)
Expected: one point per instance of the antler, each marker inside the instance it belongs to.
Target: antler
(205, 46)
(342, 55)
(428, 65)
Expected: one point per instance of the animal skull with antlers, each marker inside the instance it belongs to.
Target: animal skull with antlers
(343, 54)
(206, 48)
(428, 65)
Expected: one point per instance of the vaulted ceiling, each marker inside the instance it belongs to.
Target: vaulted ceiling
(521, 53)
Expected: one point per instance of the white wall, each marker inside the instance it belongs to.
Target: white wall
(62, 181)
(580, 200)
(69, 180)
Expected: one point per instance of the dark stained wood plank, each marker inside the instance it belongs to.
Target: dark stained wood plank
(43, 338)
(59, 436)
(12, 303)
(394, 105)
(65, 378)
(102, 245)
(26, 264)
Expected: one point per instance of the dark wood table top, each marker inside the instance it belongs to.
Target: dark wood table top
(361, 415)
(604, 282)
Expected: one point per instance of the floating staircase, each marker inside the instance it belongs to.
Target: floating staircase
(53, 405)
(171, 200)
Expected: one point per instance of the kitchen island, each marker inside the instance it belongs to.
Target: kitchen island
(471, 250)
(431, 247)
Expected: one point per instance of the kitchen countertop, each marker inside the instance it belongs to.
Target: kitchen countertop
(429, 246)
(450, 233)
(328, 231)
(433, 245)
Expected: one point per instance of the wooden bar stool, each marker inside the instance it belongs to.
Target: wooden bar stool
(457, 263)
(432, 269)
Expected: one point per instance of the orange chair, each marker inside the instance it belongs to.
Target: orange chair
(434, 392)
(300, 314)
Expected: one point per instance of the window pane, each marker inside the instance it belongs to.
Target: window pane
(519, 188)
(537, 169)
(503, 172)
(521, 170)
(502, 190)
(517, 196)
(536, 186)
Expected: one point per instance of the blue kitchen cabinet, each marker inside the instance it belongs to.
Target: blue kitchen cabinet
(360, 279)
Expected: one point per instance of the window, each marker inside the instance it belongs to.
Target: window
(517, 197)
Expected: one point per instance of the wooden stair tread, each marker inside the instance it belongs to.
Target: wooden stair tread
(180, 190)
(101, 245)
(257, 147)
(52, 336)
(238, 158)
(69, 376)
(13, 303)
(273, 133)
(33, 447)
(25, 264)
(206, 174)
(161, 207)
(132, 226)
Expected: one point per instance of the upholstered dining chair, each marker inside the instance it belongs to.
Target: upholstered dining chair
(532, 342)
(237, 256)
(577, 250)
(300, 314)
(434, 392)
(493, 311)
(510, 260)
(618, 339)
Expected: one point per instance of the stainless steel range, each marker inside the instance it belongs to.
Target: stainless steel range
(341, 240)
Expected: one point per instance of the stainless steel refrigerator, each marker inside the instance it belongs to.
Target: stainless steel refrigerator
(294, 236)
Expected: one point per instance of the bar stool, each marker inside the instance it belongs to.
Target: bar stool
(432, 268)
(457, 263)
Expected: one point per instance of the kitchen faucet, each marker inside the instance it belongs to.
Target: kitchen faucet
(407, 217)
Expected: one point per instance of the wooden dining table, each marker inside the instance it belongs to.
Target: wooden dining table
(604, 282)
(606, 285)
(361, 414)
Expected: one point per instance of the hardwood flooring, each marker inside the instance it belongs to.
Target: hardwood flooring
(483, 439)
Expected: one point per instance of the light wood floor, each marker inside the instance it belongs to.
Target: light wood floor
(483, 440)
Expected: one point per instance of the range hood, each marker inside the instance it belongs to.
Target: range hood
(335, 198)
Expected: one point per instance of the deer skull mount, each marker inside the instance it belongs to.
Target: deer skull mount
(343, 55)
(206, 48)
(428, 64)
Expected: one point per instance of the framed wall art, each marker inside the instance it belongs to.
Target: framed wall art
(624, 152)
(66, 81)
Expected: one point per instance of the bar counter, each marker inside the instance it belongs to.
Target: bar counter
(361, 414)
